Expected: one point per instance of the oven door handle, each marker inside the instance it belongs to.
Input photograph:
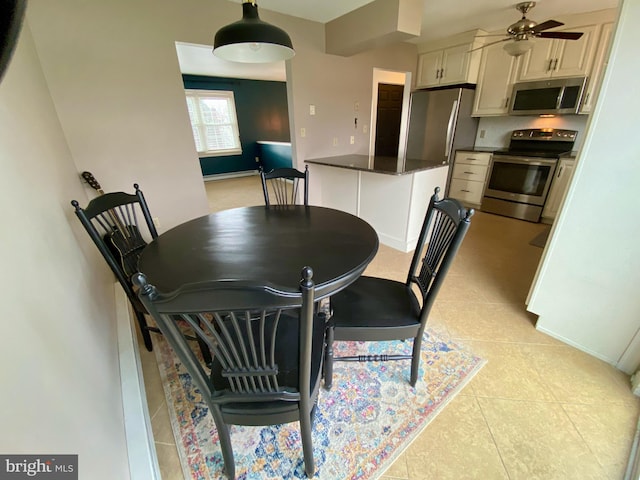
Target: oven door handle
(525, 160)
(450, 125)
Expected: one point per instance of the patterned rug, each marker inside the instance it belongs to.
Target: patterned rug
(362, 424)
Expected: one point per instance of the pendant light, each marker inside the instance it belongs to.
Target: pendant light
(251, 40)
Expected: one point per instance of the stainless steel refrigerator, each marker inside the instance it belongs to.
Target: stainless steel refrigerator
(440, 123)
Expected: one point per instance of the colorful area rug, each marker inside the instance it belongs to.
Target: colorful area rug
(362, 424)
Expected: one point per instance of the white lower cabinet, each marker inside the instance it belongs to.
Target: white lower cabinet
(468, 176)
(561, 179)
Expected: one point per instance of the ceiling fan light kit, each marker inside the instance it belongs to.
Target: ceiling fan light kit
(250, 40)
(519, 47)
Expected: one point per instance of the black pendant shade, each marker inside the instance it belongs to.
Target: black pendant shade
(11, 17)
(251, 40)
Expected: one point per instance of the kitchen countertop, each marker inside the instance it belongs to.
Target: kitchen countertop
(376, 164)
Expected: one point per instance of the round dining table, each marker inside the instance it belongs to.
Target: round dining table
(265, 245)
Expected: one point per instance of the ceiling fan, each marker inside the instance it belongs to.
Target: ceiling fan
(521, 33)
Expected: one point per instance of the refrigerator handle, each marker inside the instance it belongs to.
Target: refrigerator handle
(450, 125)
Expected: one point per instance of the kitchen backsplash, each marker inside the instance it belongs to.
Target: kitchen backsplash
(498, 129)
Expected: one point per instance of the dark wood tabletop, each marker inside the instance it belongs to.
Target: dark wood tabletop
(263, 244)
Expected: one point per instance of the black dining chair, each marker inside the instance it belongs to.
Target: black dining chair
(120, 225)
(281, 186)
(377, 309)
(267, 349)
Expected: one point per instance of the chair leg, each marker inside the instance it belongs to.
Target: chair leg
(328, 359)
(144, 330)
(415, 359)
(307, 445)
(225, 443)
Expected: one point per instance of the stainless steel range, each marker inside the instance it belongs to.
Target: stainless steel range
(520, 176)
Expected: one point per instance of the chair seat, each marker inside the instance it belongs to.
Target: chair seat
(373, 309)
(376, 309)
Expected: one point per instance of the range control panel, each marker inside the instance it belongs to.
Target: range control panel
(544, 134)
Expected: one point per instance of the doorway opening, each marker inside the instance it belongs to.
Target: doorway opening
(389, 113)
(261, 102)
(388, 119)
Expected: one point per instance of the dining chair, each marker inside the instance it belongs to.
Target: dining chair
(281, 186)
(267, 349)
(118, 223)
(374, 309)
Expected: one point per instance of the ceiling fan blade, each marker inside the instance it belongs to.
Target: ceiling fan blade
(490, 35)
(562, 35)
(547, 25)
(489, 44)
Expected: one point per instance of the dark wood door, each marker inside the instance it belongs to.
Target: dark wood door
(388, 117)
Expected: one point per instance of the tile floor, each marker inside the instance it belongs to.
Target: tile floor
(539, 409)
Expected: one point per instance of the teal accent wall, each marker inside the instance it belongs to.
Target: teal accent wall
(262, 110)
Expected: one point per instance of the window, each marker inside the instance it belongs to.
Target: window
(214, 122)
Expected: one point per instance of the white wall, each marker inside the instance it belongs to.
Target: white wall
(334, 84)
(586, 291)
(114, 76)
(59, 376)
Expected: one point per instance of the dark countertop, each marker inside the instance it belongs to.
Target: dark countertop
(375, 164)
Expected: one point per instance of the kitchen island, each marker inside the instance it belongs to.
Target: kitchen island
(391, 195)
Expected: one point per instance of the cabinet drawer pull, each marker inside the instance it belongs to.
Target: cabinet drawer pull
(555, 64)
(467, 191)
(550, 63)
(560, 171)
(469, 173)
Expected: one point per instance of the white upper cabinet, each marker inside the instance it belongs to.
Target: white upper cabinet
(561, 58)
(429, 67)
(445, 67)
(597, 70)
(495, 81)
(449, 62)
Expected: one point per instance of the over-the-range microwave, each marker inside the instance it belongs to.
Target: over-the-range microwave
(553, 96)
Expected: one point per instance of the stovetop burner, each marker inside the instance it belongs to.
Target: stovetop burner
(540, 142)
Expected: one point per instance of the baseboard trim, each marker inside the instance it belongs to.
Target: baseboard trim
(143, 461)
(225, 176)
